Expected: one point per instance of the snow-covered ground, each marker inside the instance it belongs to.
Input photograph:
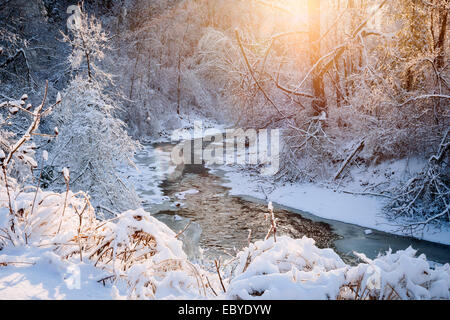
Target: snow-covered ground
(38, 273)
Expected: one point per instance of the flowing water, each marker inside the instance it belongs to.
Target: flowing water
(220, 223)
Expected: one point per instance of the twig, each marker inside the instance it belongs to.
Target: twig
(6, 263)
(210, 286)
(273, 224)
(184, 229)
(254, 77)
(66, 179)
(218, 272)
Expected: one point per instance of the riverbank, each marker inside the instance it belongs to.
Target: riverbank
(322, 201)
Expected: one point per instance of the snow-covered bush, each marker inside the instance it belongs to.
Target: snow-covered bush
(93, 144)
(424, 199)
(297, 269)
(142, 256)
(146, 254)
(286, 269)
(46, 217)
(396, 276)
(21, 162)
(133, 250)
(93, 141)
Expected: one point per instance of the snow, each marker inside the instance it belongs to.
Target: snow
(66, 174)
(297, 269)
(49, 277)
(324, 202)
(145, 260)
(182, 195)
(270, 269)
(150, 174)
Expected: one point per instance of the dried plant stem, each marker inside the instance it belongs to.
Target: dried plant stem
(37, 189)
(65, 205)
(7, 190)
(273, 224)
(184, 229)
(210, 286)
(217, 263)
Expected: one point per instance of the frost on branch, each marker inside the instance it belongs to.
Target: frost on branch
(89, 42)
(425, 198)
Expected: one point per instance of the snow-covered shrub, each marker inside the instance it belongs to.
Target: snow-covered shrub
(396, 276)
(146, 254)
(424, 199)
(133, 248)
(135, 236)
(286, 269)
(297, 269)
(22, 162)
(92, 144)
(43, 217)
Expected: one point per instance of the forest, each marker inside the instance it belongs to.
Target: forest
(353, 94)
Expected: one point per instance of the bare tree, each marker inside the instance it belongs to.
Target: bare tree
(319, 103)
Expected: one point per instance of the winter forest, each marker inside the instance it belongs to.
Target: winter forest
(225, 149)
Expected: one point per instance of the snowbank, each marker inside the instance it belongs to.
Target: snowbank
(57, 245)
(297, 269)
(58, 249)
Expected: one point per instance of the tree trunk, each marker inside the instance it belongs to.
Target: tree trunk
(440, 44)
(319, 103)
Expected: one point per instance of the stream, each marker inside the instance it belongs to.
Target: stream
(219, 223)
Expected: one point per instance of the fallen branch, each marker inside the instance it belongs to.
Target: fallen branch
(367, 194)
(357, 149)
(6, 263)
